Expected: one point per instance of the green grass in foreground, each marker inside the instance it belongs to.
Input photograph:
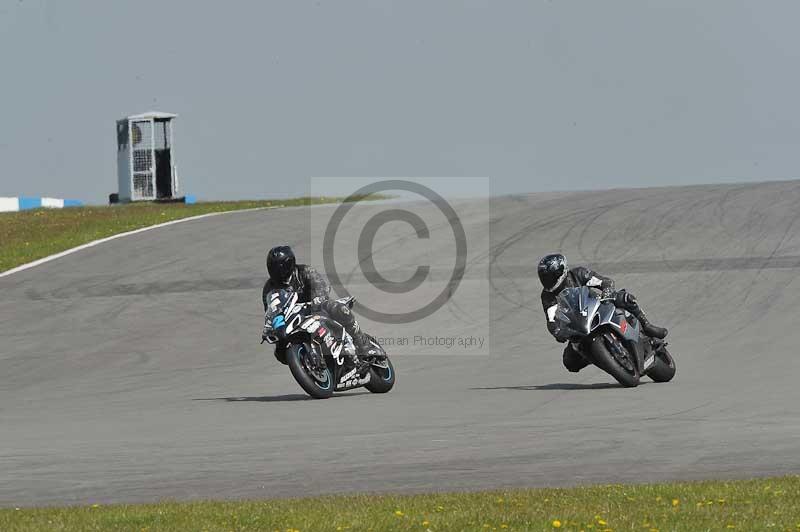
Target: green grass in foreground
(766, 504)
(29, 235)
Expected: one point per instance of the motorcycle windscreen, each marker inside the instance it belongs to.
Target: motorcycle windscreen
(568, 319)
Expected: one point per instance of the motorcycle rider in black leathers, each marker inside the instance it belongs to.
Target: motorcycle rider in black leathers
(555, 275)
(311, 287)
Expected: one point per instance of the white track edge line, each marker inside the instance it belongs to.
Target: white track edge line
(93, 243)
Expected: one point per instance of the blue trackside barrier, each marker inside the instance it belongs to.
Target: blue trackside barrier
(29, 203)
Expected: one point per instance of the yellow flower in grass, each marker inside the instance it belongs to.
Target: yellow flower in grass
(601, 522)
(556, 523)
(398, 513)
(675, 502)
(731, 526)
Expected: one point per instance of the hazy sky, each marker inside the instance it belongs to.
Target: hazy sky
(537, 95)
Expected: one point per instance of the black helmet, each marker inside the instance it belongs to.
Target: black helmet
(280, 263)
(552, 271)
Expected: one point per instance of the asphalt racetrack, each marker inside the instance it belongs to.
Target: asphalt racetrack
(132, 371)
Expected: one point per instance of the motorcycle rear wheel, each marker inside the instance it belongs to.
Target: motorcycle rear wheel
(663, 368)
(606, 361)
(381, 380)
(318, 388)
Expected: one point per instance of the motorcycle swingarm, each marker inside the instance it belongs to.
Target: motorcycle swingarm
(378, 363)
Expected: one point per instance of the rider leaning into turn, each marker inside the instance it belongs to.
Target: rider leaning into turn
(555, 275)
(311, 287)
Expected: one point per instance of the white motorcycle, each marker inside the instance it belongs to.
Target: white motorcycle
(318, 348)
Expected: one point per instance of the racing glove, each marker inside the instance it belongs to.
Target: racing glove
(624, 299)
(560, 337)
(265, 331)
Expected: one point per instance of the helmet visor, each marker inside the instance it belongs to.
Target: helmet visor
(280, 270)
(552, 279)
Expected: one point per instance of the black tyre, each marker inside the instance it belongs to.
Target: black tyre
(318, 383)
(623, 370)
(663, 368)
(381, 380)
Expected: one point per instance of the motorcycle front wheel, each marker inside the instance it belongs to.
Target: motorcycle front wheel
(605, 360)
(310, 371)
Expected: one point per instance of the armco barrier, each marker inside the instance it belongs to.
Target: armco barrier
(23, 203)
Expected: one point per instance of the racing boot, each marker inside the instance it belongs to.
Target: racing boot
(649, 329)
(364, 347)
(626, 300)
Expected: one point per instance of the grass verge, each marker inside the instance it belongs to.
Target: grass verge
(30, 235)
(764, 504)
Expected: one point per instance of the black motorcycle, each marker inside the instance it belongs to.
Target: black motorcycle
(611, 338)
(319, 351)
